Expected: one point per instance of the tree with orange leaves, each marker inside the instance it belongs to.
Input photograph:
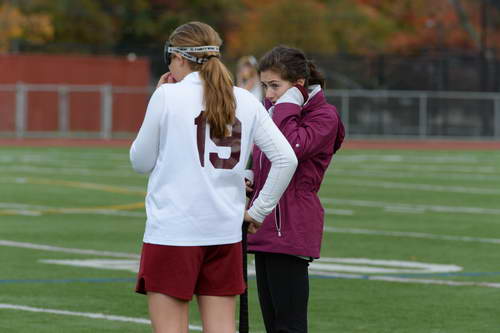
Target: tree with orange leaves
(435, 24)
(361, 26)
(14, 24)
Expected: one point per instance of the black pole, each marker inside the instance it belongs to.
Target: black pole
(381, 72)
(244, 325)
(484, 47)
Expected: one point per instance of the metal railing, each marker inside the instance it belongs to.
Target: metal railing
(365, 113)
(63, 91)
(422, 114)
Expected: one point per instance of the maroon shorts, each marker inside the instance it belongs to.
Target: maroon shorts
(184, 271)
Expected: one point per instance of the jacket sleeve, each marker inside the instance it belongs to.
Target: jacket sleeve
(307, 135)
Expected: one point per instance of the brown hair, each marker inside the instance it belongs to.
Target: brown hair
(218, 96)
(291, 64)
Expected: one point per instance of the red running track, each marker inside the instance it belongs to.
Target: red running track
(348, 144)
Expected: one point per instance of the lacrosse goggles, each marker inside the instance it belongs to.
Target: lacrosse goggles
(183, 51)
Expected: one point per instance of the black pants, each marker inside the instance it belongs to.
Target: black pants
(283, 286)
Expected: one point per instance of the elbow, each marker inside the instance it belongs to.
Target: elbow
(140, 164)
(141, 168)
(289, 159)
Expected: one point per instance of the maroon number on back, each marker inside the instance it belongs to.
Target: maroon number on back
(200, 136)
(233, 141)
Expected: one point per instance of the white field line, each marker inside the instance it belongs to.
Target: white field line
(323, 265)
(53, 160)
(365, 265)
(85, 315)
(412, 235)
(475, 169)
(15, 205)
(411, 207)
(338, 275)
(462, 158)
(111, 212)
(69, 164)
(42, 247)
(335, 211)
(125, 171)
(83, 185)
(76, 212)
(419, 187)
(68, 171)
(51, 156)
(336, 171)
(412, 280)
(404, 210)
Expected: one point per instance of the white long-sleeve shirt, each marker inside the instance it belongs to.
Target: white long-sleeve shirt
(196, 189)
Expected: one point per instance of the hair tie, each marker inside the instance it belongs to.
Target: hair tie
(212, 56)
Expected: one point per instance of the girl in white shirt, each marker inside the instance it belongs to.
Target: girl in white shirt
(195, 141)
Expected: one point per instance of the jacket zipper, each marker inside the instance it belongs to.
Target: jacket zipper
(277, 219)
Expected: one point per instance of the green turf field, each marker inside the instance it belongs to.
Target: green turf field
(412, 243)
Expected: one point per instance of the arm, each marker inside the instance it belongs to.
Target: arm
(307, 137)
(145, 148)
(283, 164)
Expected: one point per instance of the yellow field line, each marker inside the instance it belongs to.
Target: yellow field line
(90, 186)
(135, 205)
(90, 209)
(10, 212)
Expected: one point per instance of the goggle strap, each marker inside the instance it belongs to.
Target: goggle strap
(208, 48)
(183, 51)
(192, 58)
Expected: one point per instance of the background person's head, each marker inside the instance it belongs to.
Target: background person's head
(247, 68)
(283, 67)
(218, 96)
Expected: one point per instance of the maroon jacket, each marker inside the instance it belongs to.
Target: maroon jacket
(315, 133)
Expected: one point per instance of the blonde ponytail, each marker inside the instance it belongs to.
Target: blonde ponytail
(220, 104)
(218, 95)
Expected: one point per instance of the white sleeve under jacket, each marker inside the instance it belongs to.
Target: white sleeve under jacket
(274, 145)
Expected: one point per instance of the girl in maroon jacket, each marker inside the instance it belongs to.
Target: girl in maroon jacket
(290, 237)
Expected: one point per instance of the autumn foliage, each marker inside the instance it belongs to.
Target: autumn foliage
(14, 24)
(254, 26)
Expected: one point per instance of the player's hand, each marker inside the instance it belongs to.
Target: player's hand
(249, 187)
(166, 78)
(295, 95)
(253, 225)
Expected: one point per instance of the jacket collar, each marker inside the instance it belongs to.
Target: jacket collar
(316, 98)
